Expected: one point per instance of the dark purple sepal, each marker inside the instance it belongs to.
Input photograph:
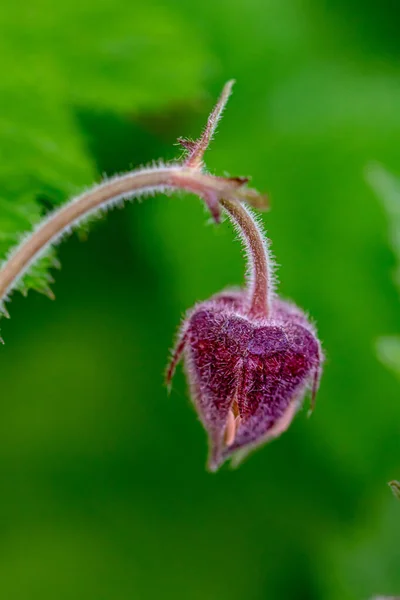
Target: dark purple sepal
(247, 376)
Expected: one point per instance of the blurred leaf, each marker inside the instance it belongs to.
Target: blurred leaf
(388, 349)
(387, 188)
(63, 56)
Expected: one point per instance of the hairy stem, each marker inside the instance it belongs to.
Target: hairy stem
(259, 271)
(260, 282)
(196, 149)
(133, 184)
(189, 176)
(395, 487)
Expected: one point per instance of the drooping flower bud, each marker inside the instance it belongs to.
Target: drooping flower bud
(247, 376)
(249, 357)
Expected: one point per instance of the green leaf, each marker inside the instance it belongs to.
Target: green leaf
(387, 188)
(62, 57)
(388, 349)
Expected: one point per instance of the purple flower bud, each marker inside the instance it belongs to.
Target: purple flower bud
(247, 375)
(249, 356)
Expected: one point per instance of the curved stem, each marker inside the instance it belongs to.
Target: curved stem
(260, 281)
(130, 185)
(215, 191)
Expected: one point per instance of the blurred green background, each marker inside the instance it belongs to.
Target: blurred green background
(104, 494)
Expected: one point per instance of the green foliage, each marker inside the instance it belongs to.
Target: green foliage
(65, 56)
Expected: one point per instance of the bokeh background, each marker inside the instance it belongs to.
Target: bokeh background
(104, 493)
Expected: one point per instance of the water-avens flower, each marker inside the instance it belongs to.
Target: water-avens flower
(250, 357)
